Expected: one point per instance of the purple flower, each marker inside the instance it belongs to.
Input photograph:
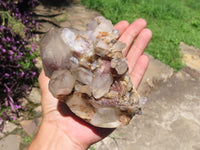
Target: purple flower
(3, 39)
(11, 52)
(32, 49)
(17, 58)
(18, 106)
(22, 74)
(6, 75)
(3, 50)
(34, 61)
(20, 54)
(3, 3)
(14, 118)
(2, 28)
(27, 75)
(14, 48)
(8, 38)
(33, 73)
(27, 28)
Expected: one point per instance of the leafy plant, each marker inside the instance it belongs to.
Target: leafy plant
(91, 148)
(17, 54)
(27, 139)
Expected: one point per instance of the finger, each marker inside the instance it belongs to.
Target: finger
(49, 103)
(43, 81)
(131, 33)
(139, 70)
(121, 26)
(138, 48)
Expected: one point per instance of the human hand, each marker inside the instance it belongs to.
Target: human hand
(60, 128)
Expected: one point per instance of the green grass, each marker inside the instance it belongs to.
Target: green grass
(27, 139)
(91, 148)
(171, 21)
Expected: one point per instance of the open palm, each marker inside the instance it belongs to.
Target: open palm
(59, 115)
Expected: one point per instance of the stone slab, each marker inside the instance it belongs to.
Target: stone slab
(23, 102)
(35, 96)
(8, 128)
(78, 16)
(191, 56)
(38, 109)
(170, 120)
(156, 72)
(1, 135)
(29, 126)
(11, 142)
(38, 121)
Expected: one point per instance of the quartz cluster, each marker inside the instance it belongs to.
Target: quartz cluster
(88, 72)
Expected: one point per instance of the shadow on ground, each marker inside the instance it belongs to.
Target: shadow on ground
(56, 3)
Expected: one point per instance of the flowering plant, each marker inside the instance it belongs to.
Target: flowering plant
(17, 54)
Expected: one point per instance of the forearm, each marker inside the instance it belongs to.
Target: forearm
(49, 137)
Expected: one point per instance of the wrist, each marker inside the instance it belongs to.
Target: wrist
(51, 137)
